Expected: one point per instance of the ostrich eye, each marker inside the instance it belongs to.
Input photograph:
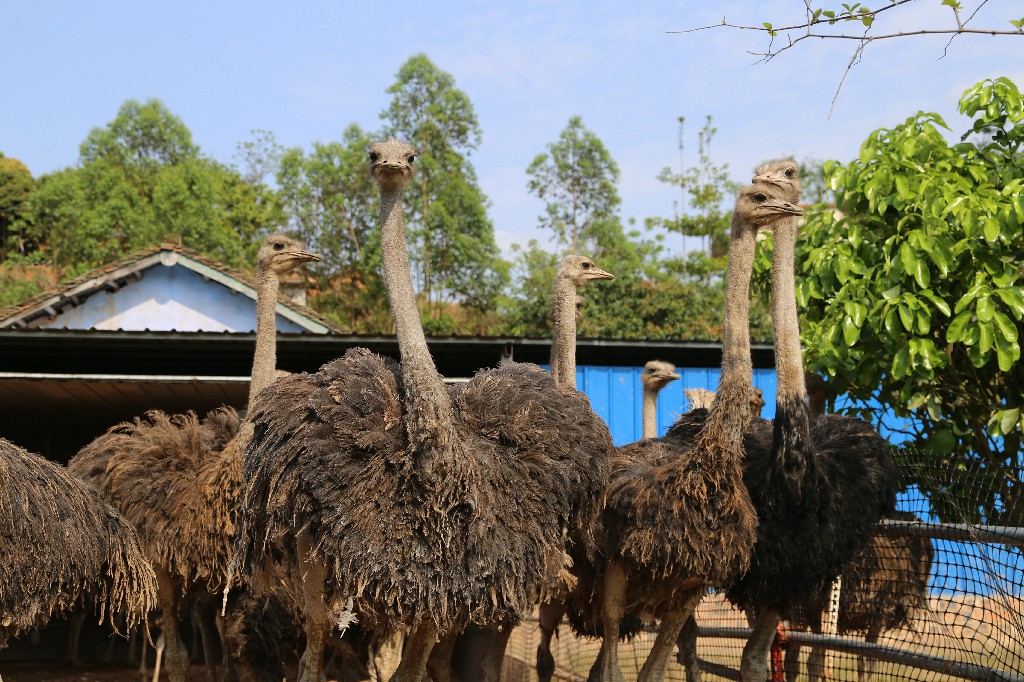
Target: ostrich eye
(374, 156)
(790, 172)
(586, 265)
(278, 246)
(760, 198)
(412, 157)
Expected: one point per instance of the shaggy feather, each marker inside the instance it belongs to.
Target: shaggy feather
(172, 480)
(885, 586)
(672, 514)
(814, 514)
(61, 542)
(330, 453)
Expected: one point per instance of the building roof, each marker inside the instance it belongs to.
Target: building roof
(115, 275)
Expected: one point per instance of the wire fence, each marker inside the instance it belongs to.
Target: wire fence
(936, 594)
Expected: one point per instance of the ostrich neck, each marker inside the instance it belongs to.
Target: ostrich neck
(788, 359)
(563, 341)
(735, 386)
(650, 412)
(791, 429)
(431, 422)
(264, 360)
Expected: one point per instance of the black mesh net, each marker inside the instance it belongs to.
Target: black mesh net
(937, 594)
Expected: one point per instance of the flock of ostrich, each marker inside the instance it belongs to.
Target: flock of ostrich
(371, 518)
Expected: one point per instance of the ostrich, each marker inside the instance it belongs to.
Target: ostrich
(573, 273)
(818, 488)
(884, 587)
(677, 517)
(60, 543)
(657, 375)
(409, 504)
(177, 479)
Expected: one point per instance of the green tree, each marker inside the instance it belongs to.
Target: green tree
(137, 179)
(704, 188)
(577, 178)
(913, 296)
(16, 185)
(330, 201)
(454, 255)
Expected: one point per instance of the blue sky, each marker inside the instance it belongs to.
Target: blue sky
(305, 70)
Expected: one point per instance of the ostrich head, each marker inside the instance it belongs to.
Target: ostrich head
(281, 253)
(391, 163)
(782, 173)
(657, 374)
(579, 270)
(762, 205)
(756, 402)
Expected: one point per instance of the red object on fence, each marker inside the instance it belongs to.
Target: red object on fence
(778, 646)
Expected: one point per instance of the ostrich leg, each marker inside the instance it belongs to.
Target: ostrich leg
(418, 645)
(228, 673)
(168, 593)
(314, 613)
(866, 664)
(687, 656)
(494, 661)
(202, 611)
(754, 663)
(792, 661)
(440, 664)
(612, 607)
(550, 616)
(671, 624)
(387, 655)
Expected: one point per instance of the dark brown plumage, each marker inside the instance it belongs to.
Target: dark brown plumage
(430, 507)
(819, 488)
(61, 543)
(330, 454)
(160, 470)
(884, 587)
(678, 518)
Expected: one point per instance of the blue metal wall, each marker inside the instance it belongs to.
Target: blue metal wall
(616, 395)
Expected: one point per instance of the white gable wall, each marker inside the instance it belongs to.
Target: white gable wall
(166, 298)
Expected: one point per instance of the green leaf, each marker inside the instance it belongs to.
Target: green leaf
(921, 273)
(1005, 326)
(1008, 420)
(901, 362)
(1007, 353)
(916, 402)
(1013, 298)
(942, 442)
(907, 317)
(851, 332)
(985, 309)
(991, 230)
(903, 188)
(986, 337)
(939, 304)
(891, 293)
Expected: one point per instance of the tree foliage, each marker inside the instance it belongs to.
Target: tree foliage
(914, 294)
(137, 179)
(16, 185)
(454, 256)
(577, 178)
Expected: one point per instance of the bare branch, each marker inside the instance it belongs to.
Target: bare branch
(797, 33)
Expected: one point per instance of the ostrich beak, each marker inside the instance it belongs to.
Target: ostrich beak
(306, 256)
(783, 207)
(672, 376)
(598, 273)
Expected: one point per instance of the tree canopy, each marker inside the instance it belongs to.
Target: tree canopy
(913, 291)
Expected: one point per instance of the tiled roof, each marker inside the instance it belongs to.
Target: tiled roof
(134, 263)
